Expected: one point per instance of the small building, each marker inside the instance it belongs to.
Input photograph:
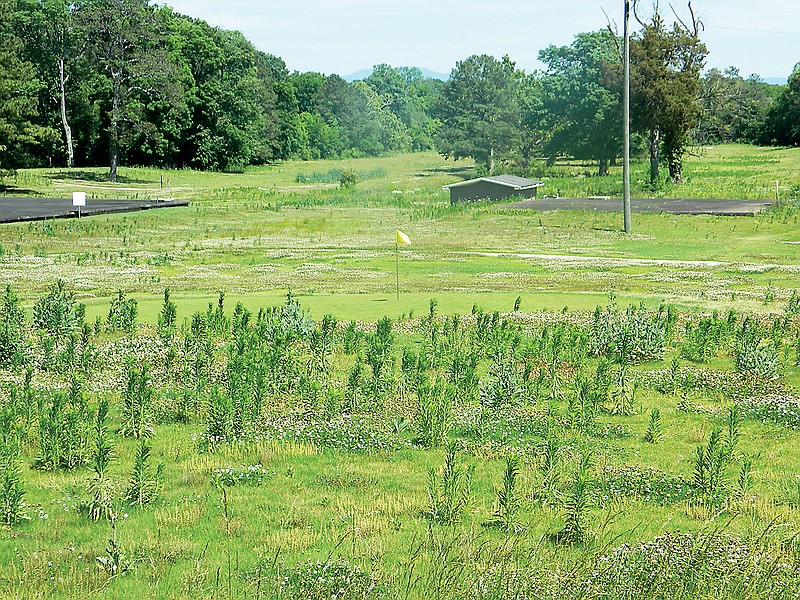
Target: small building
(497, 187)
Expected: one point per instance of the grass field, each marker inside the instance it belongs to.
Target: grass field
(257, 234)
(583, 441)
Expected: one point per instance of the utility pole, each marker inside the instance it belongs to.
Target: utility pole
(626, 121)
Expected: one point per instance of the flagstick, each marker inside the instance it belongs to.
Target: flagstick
(397, 269)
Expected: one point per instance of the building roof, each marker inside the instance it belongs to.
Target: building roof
(511, 181)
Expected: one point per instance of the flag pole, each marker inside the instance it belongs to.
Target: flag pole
(397, 268)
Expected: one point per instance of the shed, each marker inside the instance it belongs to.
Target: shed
(497, 187)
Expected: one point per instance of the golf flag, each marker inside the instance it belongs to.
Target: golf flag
(402, 238)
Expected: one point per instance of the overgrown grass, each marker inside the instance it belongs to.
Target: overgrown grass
(272, 470)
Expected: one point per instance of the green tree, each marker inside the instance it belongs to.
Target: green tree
(782, 123)
(12, 327)
(480, 111)
(534, 122)
(125, 40)
(410, 97)
(55, 44)
(665, 89)
(583, 100)
(342, 104)
(18, 95)
(734, 108)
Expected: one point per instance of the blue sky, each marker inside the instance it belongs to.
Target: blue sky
(343, 36)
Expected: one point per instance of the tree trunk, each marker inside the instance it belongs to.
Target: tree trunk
(491, 161)
(602, 167)
(655, 136)
(62, 85)
(113, 138)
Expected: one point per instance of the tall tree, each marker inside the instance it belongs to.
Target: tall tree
(734, 108)
(782, 124)
(480, 110)
(665, 88)
(409, 96)
(126, 41)
(342, 104)
(55, 44)
(18, 94)
(583, 100)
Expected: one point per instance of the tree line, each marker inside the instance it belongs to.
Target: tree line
(92, 82)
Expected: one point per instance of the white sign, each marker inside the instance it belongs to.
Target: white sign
(78, 198)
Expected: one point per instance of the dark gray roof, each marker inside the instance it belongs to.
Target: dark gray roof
(512, 181)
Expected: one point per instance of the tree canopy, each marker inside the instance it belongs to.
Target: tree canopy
(128, 82)
(583, 99)
(480, 110)
(666, 62)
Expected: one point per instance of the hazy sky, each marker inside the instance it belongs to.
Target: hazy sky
(343, 36)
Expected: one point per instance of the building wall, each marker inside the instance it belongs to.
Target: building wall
(486, 190)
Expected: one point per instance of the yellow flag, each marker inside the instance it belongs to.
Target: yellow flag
(402, 238)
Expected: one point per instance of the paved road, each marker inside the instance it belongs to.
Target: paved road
(679, 206)
(37, 209)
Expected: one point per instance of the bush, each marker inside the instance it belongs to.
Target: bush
(12, 339)
(634, 336)
(122, 314)
(348, 179)
(58, 313)
(12, 493)
(449, 494)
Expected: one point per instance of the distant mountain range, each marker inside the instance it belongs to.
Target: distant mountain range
(364, 73)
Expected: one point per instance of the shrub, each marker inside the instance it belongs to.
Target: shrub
(508, 501)
(348, 179)
(58, 313)
(449, 494)
(653, 434)
(434, 417)
(167, 319)
(63, 431)
(12, 338)
(102, 489)
(144, 484)
(137, 402)
(633, 336)
(122, 314)
(12, 492)
(704, 339)
(503, 386)
(577, 504)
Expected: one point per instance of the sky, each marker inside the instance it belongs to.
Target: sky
(344, 36)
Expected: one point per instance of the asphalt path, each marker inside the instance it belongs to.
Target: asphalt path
(675, 206)
(37, 209)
